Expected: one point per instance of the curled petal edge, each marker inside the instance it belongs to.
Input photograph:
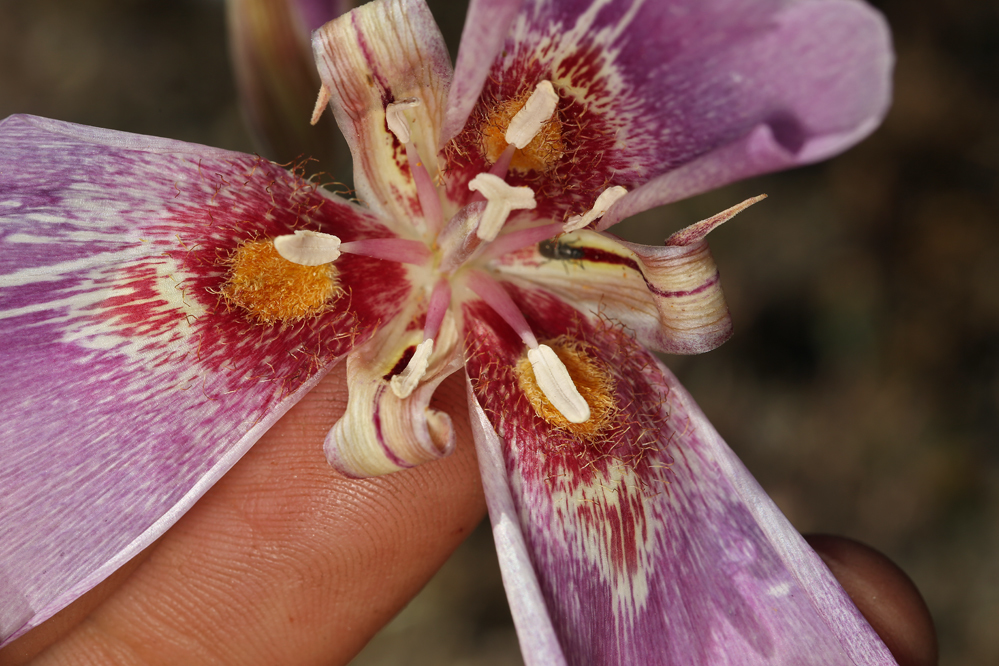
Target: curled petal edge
(380, 432)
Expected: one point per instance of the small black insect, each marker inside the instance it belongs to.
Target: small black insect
(555, 250)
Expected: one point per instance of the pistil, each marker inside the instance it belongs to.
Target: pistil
(502, 199)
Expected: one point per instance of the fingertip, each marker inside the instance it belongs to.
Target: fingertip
(884, 594)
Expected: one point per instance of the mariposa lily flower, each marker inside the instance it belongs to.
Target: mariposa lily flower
(193, 295)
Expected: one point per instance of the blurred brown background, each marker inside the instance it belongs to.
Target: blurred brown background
(862, 385)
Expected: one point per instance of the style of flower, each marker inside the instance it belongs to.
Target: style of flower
(200, 293)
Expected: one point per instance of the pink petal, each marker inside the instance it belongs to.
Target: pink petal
(129, 387)
(650, 543)
(651, 89)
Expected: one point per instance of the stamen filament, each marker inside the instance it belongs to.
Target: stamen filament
(391, 249)
(440, 301)
(490, 291)
(521, 238)
(425, 190)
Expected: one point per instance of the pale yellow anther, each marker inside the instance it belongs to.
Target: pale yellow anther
(406, 381)
(321, 101)
(308, 248)
(539, 108)
(395, 118)
(501, 200)
(554, 381)
(607, 198)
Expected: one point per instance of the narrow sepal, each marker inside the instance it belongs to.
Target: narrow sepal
(384, 52)
(381, 431)
(131, 382)
(650, 541)
(670, 297)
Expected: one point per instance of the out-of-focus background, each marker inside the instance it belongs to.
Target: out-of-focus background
(862, 384)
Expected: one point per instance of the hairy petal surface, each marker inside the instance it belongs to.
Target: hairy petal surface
(650, 542)
(381, 53)
(648, 87)
(130, 383)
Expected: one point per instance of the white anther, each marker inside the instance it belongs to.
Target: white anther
(533, 115)
(603, 203)
(395, 118)
(554, 381)
(308, 248)
(501, 200)
(406, 381)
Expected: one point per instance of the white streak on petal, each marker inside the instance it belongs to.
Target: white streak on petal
(308, 248)
(531, 118)
(554, 381)
(407, 380)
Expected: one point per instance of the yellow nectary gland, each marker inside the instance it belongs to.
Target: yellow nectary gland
(541, 154)
(272, 289)
(592, 379)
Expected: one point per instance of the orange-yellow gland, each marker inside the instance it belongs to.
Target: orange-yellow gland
(592, 379)
(541, 154)
(272, 289)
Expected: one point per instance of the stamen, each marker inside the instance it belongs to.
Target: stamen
(406, 381)
(603, 203)
(501, 200)
(308, 248)
(391, 249)
(496, 297)
(440, 301)
(534, 114)
(554, 381)
(398, 124)
(395, 118)
(321, 101)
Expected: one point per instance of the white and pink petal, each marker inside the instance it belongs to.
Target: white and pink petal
(380, 54)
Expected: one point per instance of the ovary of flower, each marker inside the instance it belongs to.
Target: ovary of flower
(407, 380)
(526, 124)
(501, 200)
(308, 248)
(554, 381)
(603, 203)
(395, 118)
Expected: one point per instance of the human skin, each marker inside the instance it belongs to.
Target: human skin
(285, 561)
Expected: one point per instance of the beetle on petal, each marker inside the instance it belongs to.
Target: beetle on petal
(204, 292)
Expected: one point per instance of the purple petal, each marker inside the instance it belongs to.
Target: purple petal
(486, 26)
(647, 88)
(129, 384)
(649, 540)
(314, 13)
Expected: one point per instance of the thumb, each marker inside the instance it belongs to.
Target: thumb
(283, 560)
